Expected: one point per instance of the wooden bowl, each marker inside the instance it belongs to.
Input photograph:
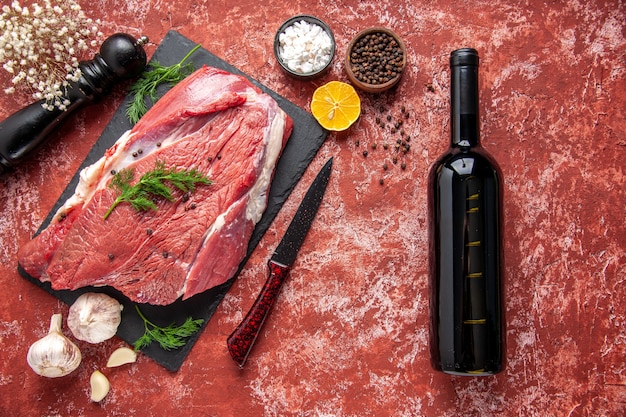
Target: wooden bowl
(387, 78)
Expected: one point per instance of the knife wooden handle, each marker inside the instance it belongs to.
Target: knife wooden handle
(241, 340)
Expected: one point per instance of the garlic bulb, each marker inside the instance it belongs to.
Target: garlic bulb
(54, 355)
(94, 317)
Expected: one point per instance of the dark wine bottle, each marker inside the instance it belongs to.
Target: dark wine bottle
(465, 221)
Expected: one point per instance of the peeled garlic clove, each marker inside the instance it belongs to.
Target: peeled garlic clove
(121, 356)
(94, 317)
(99, 386)
(54, 355)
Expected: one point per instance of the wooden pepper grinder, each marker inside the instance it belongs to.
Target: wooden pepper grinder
(121, 57)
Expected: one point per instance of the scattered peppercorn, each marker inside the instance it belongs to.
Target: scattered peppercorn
(158, 144)
(111, 256)
(393, 122)
(113, 172)
(149, 231)
(134, 154)
(165, 254)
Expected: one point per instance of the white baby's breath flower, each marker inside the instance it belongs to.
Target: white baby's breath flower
(38, 44)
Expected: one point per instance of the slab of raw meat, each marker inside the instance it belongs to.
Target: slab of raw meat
(213, 121)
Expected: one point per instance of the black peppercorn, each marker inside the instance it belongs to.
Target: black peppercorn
(376, 58)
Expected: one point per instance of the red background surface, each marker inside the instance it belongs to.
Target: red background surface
(349, 335)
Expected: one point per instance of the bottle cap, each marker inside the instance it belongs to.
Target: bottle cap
(464, 56)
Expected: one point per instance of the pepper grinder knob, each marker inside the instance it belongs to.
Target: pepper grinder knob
(121, 57)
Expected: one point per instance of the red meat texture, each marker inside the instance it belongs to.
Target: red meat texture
(213, 121)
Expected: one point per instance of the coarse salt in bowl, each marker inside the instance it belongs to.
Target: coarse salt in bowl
(304, 47)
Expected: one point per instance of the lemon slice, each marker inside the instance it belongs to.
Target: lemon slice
(336, 105)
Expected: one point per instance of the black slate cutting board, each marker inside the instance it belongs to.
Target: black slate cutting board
(306, 139)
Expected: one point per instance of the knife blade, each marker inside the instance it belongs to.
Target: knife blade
(242, 339)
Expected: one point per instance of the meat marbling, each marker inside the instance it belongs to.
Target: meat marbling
(214, 121)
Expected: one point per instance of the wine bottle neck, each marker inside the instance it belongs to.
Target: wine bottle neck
(464, 120)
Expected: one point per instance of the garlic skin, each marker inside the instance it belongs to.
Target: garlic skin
(94, 317)
(54, 355)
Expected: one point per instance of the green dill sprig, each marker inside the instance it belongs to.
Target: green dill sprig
(170, 337)
(152, 184)
(147, 84)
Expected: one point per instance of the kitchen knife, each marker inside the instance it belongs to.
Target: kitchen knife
(241, 340)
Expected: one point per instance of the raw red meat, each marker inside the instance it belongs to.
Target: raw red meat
(214, 121)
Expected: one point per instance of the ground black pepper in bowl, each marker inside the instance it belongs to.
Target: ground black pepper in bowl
(375, 60)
